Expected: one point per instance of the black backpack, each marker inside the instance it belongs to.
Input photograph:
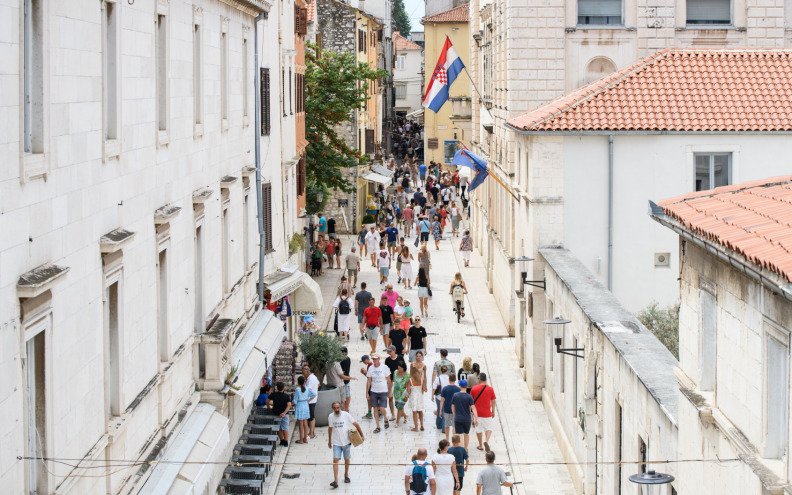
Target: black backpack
(418, 480)
(343, 307)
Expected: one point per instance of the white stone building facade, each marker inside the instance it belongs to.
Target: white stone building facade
(129, 255)
(408, 76)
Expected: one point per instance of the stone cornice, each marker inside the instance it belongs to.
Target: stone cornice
(250, 7)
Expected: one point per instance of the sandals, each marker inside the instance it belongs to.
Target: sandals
(387, 424)
(347, 480)
(377, 430)
(334, 484)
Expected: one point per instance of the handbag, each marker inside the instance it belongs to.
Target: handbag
(430, 292)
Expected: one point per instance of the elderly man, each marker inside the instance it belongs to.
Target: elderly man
(419, 478)
(340, 422)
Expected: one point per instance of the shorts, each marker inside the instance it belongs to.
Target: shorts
(448, 419)
(379, 399)
(466, 255)
(283, 423)
(391, 244)
(342, 393)
(352, 272)
(346, 451)
(461, 427)
(372, 333)
(385, 329)
(347, 391)
(424, 236)
(385, 271)
(485, 424)
(413, 352)
(461, 482)
(423, 176)
(311, 411)
(360, 319)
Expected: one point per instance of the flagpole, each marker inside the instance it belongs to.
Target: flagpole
(492, 175)
(481, 97)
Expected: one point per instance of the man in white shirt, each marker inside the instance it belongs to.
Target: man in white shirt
(312, 383)
(417, 468)
(340, 422)
(384, 263)
(372, 243)
(378, 389)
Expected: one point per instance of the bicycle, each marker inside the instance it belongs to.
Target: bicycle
(458, 310)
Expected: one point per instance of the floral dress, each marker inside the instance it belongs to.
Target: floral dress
(400, 389)
(437, 230)
(301, 409)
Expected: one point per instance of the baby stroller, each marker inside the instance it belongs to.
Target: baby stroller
(316, 266)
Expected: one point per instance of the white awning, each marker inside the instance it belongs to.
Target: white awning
(307, 298)
(416, 113)
(375, 177)
(204, 438)
(382, 170)
(281, 284)
(255, 352)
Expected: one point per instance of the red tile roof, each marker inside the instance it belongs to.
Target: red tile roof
(403, 43)
(753, 219)
(312, 11)
(457, 14)
(679, 90)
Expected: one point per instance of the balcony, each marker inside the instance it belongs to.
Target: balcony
(461, 108)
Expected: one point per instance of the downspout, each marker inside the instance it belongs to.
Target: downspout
(257, 133)
(610, 212)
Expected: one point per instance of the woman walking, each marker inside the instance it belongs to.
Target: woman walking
(337, 252)
(301, 413)
(417, 389)
(454, 220)
(424, 259)
(406, 267)
(344, 314)
(440, 381)
(400, 394)
(466, 247)
(444, 465)
(423, 291)
(437, 232)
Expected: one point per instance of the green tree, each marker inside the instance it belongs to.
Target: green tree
(663, 323)
(335, 85)
(400, 18)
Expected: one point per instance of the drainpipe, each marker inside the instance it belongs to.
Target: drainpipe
(257, 133)
(610, 212)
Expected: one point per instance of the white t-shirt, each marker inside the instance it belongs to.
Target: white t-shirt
(383, 257)
(372, 240)
(313, 383)
(446, 194)
(429, 475)
(341, 425)
(379, 378)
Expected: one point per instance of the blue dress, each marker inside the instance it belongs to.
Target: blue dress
(301, 403)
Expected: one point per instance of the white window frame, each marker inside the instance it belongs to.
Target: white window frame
(692, 150)
(162, 71)
(199, 248)
(225, 235)
(403, 88)
(114, 274)
(708, 289)
(401, 61)
(111, 82)
(224, 71)
(600, 26)
(34, 157)
(198, 72)
(711, 156)
(246, 76)
(710, 25)
(778, 450)
(163, 315)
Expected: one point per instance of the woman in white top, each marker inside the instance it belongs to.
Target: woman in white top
(439, 382)
(344, 319)
(406, 267)
(444, 465)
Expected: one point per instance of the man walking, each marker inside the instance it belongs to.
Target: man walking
(384, 263)
(392, 236)
(464, 413)
(352, 263)
(346, 368)
(446, 395)
(443, 361)
(484, 400)
(386, 314)
(491, 477)
(362, 299)
(312, 383)
(372, 317)
(419, 478)
(372, 244)
(378, 386)
(336, 376)
(466, 247)
(392, 362)
(339, 423)
(417, 338)
(281, 405)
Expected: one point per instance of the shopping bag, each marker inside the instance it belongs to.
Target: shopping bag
(355, 438)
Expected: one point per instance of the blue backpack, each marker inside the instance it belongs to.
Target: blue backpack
(418, 479)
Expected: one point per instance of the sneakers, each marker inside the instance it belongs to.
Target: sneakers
(284, 443)
(368, 416)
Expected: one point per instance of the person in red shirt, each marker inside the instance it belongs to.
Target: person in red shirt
(484, 400)
(373, 319)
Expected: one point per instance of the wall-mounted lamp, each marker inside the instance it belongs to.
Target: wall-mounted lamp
(557, 325)
(651, 482)
(523, 265)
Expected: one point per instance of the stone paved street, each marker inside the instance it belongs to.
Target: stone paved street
(523, 433)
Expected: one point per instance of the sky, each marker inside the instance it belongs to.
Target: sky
(415, 9)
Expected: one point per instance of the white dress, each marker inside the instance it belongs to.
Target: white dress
(344, 320)
(406, 269)
(416, 401)
(444, 478)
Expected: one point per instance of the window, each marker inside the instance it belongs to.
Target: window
(401, 91)
(709, 12)
(712, 170)
(449, 150)
(245, 233)
(371, 143)
(642, 454)
(361, 42)
(162, 302)
(110, 70)
(198, 290)
(301, 176)
(245, 81)
(291, 100)
(400, 61)
(266, 205)
(197, 76)
(617, 444)
(33, 77)
(112, 334)
(707, 329)
(300, 21)
(776, 391)
(599, 12)
(226, 243)
(162, 73)
(224, 78)
(283, 86)
(264, 87)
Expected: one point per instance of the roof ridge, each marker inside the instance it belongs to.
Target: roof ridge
(428, 18)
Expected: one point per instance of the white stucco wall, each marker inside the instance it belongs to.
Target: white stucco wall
(410, 76)
(649, 167)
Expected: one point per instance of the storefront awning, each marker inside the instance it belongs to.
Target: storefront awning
(255, 352)
(375, 177)
(281, 284)
(415, 114)
(307, 298)
(382, 170)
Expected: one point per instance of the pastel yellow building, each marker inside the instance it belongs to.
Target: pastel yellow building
(443, 129)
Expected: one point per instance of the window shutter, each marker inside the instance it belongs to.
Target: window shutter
(600, 8)
(379, 35)
(297, 20)
(301, 177)
(303, 22)
(370, 141)
(266, 203)
(264, 86)
(709, 11)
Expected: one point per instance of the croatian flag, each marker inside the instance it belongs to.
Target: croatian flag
(449, 65)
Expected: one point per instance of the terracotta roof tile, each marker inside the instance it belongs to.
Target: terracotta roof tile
(753, 219)
(312, 11)
(403, 43)
(457, 14)
(679, 90)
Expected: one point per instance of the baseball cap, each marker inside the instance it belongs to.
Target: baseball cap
(374, 355)
(390, 348)
(364, 358)
(462, 383)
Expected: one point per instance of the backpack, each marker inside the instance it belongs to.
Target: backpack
(343, 307)
(418, 479)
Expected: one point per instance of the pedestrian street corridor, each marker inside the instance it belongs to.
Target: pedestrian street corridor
(522, 433)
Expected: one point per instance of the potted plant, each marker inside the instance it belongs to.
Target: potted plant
(320, 351)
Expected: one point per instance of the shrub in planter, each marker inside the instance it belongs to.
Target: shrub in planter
(367, 219)
(320, 351)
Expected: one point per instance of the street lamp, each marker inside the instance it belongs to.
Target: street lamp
(559, 323)
(651, 482)
(523, 264)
